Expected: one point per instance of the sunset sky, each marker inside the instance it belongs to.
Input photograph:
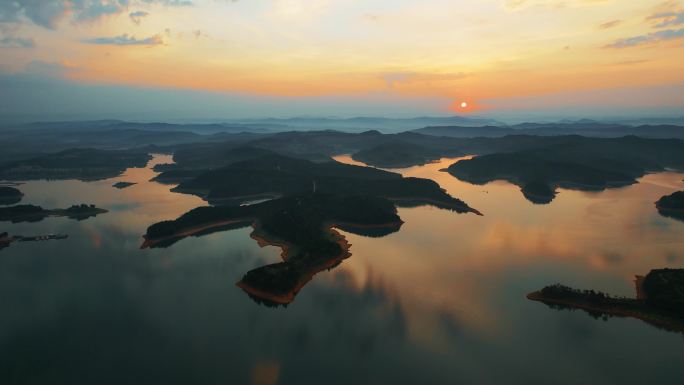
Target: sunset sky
(257, 58)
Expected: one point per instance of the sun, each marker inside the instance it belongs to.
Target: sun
(464, 105)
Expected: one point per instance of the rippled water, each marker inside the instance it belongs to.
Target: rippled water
(440, 302)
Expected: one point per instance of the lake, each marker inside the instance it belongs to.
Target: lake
(442, 301)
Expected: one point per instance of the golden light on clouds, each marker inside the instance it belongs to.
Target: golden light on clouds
(485, 50)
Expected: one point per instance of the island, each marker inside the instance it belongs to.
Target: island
(588, 164)
(672, 205)
(10, 195)
(32, 213)
(123, 185)
(659, 301)
(301, 225)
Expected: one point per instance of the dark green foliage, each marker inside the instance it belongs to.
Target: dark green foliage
(86, 164)
(397, 154)
(296, 219)
(302, 222)
(281, 175)
(663, 305)
(9, 192)
(20, 210)
(559, 291)
(197, 217)
(32, 213)
(672, 202)
(10, 195)
(664, 289)
(123, 185)
(538, 192)
(570, 162)
(80, 208)
(672, 205)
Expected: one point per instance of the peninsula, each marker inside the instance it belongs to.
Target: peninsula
(10, 195)
(659, 301)
(301, 225)
(672, 205)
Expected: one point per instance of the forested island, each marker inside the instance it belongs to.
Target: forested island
(123, 185)
(10, 195)
(590, 164)
(659, 302)
(672, 205)
(32, 213)
(302, 225)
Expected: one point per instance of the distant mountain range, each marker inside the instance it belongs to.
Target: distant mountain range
(583, 128)
(319, 136)
(357, 124)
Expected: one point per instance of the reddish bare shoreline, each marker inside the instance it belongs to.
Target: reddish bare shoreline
(263, 239)
(190, 231)
(287, 250)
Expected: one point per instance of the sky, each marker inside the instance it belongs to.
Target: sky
(172, 59)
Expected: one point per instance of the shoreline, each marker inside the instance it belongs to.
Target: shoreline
(190, 231)
(288, 297)
(646, 314)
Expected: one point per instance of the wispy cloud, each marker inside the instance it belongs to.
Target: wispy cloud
(48, 13)
(553, 4)
(137, 16)
(394, 79)
(667, 19)
(668, 34)
(170, 3)
(126, 40)
(610, 24)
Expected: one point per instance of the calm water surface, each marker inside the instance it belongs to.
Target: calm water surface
(440, 302)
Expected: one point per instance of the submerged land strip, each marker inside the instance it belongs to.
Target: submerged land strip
(32, 213)
(6, 239)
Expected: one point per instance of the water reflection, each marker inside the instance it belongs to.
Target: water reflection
(585, 238)
(440, 302)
